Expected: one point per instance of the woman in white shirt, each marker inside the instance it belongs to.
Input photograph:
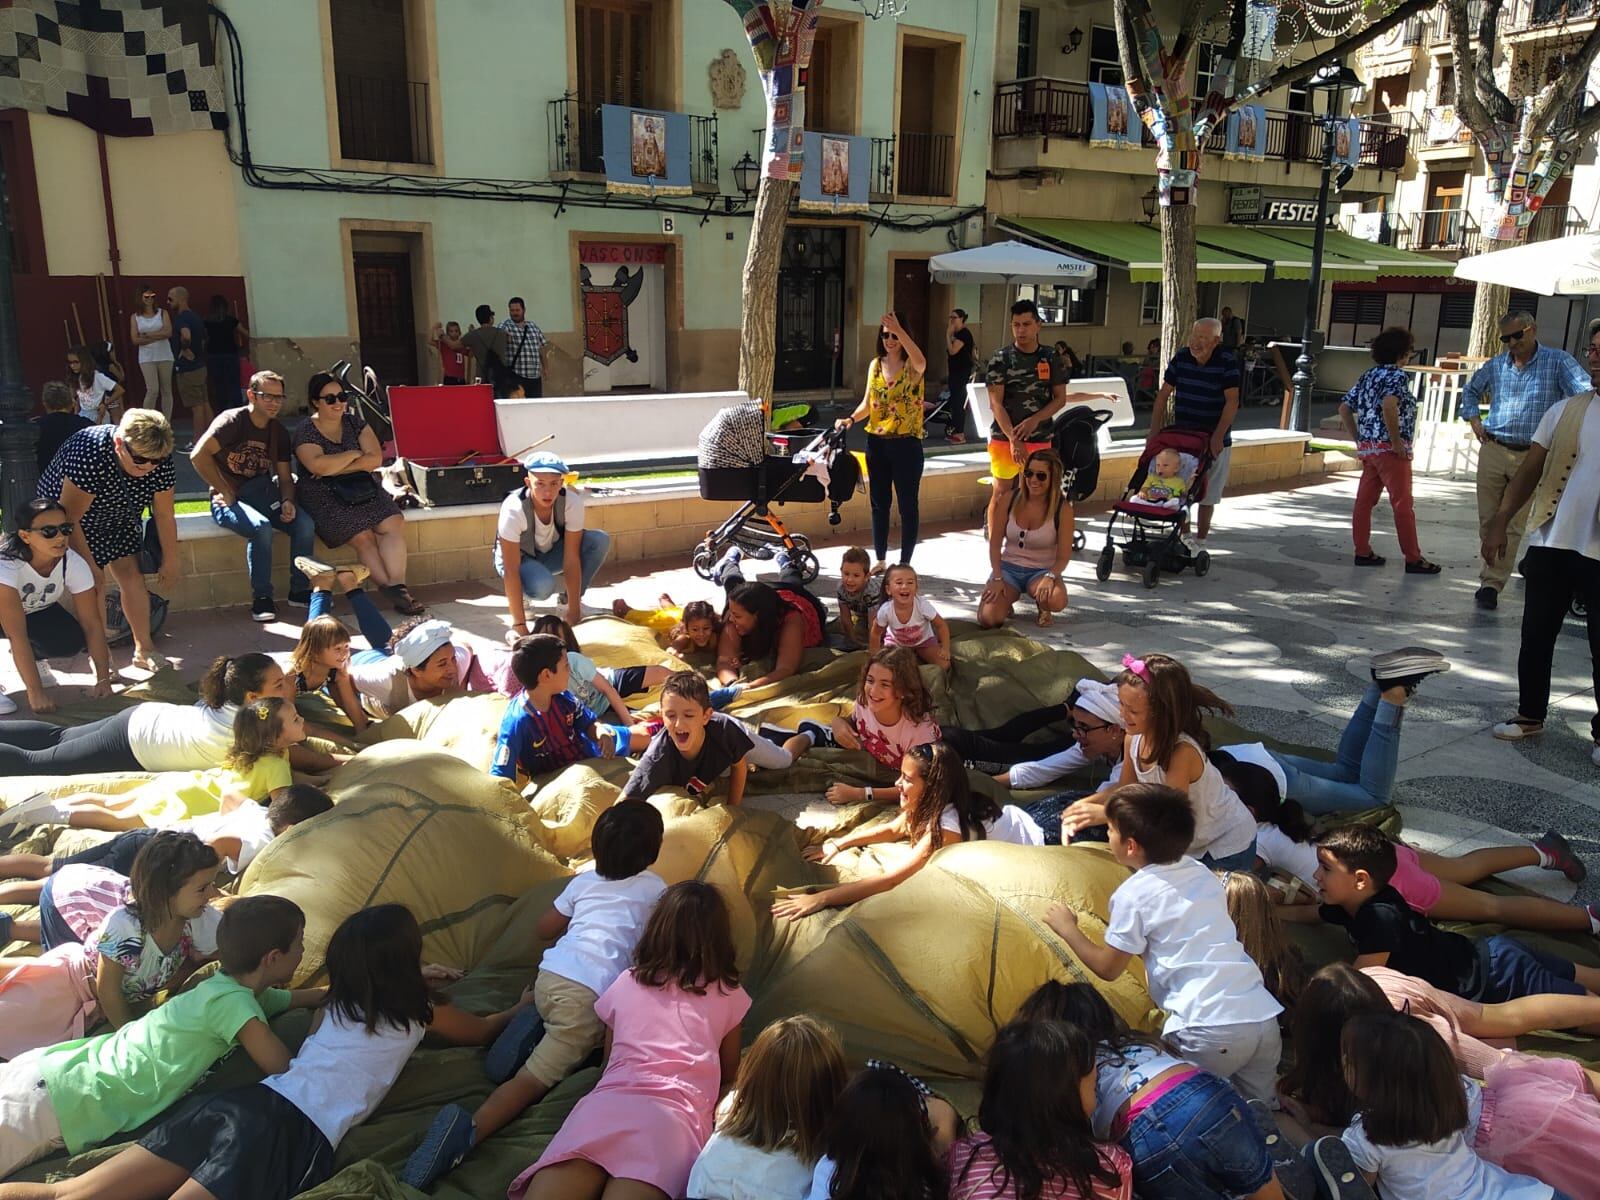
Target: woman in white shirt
(48, 604)
(99, 396)
(151, 330)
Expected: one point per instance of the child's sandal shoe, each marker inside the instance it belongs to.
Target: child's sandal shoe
(1340, 1178)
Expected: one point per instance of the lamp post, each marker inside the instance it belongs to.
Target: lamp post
(19, 472)
(1327, 88)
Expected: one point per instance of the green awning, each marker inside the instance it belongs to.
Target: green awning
(1287, 254)
(1386, 261)
(1131, 246)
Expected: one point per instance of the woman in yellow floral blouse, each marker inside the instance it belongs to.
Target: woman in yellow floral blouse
(892, 409)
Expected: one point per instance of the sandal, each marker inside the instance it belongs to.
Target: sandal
(1422, 566)
(1518, 729)
(152, 662)
(404, 602)
(322, 576)
(1370, 560)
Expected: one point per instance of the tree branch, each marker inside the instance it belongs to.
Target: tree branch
(1135, 70)
(1295, 72)
(1583, 129)
(1475, 88)
(1194, 16)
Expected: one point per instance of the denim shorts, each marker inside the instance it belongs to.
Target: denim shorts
(1517, 970)
(1021, 578)
(1196, 1142)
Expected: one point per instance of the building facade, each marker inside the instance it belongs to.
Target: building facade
(389, 164)
(1434, 205)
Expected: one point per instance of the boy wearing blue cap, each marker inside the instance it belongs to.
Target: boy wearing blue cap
(542, 535)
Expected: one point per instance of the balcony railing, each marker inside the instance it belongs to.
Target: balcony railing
(1433, 229)
(383, 120)
(925, 163)
(1534, 13)
(880, 188)
(576, 143)
(1059, 108)
(1444, 28)
(1556, 220)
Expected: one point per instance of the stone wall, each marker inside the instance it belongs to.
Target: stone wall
(657, 519)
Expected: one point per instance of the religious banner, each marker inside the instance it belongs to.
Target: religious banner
(1347, 142)
(1247, 132)
(121, 67)
(836, 173)
(1113, 121)
(1445, 126)
(646, 152)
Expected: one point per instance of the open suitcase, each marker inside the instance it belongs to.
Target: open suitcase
(450, 446)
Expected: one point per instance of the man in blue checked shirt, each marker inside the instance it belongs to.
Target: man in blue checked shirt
(1522, 383)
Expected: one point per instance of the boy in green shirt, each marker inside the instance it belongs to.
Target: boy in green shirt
(83, 1092)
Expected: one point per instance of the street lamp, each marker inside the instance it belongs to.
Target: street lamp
(1149, 203)
(19, 472)
(1327, 89)
(746, 174)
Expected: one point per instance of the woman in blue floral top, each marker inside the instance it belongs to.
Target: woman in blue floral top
(1380, 413)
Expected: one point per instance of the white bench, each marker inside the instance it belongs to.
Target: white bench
(597, 430)
(1121, 408)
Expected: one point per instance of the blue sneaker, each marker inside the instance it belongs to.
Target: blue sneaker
(723, 696)
(727, 572)
(515, 1043)
(444, 1145)
(1340, 1178)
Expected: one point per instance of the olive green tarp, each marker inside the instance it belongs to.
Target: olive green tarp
(922, 975)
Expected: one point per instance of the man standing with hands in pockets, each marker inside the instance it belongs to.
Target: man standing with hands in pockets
(1523, 381)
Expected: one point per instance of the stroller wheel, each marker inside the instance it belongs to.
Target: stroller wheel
(1202, 562)
(1152, 571)
(1107, 560)
(704, 559)
(1579, 608)
(808, 566)
(1079, 540)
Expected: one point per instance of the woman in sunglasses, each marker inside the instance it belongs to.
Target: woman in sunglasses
(337, 454)
(1029, 545)
(103, 479)
(38, 572)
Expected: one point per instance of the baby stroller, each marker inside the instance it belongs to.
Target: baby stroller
(1154, 542)
(737, 462)
(1077, 440)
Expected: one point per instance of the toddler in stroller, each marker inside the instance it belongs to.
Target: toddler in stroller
(737, 462)
(1153, 540)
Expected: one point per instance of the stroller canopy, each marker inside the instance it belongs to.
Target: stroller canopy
(1009, 262)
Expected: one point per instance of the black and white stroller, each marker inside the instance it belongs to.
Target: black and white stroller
(1077, 443)
(739, 460)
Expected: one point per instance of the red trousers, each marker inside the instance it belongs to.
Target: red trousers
(1392, 472)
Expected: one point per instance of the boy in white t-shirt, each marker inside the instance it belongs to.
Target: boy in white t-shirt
(1173, 913)
(595, 923)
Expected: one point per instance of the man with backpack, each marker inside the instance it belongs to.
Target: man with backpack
(525, 350)
(487, 341)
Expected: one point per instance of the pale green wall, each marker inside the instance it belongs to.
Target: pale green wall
(500, 62)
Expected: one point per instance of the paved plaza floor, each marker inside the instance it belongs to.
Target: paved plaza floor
(1282, 627)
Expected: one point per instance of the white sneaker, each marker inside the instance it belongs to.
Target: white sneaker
(9, 706)
(1594, 755)
(1517, 730)
(1189, 542)
(47, 677)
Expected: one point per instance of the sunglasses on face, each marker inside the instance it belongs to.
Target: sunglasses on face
(1041, 475)
(336, 398)
(140, 460)
(1512, 337)
(50, 531)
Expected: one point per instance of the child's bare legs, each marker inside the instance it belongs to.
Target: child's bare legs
(655, 675)
(134, 1174)
(1527, 1014)
(22, 892)
(1457, 903)
(1478, 864)
(572, 1180)
(103, 817)
(931, 652)
(20, 931)
(1588, 978)
(23, 866)
(505, 1104)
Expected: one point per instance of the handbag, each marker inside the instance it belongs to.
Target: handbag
(356, 487)
(150, 557)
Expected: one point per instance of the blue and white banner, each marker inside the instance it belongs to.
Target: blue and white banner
(646, 151)
(1113, 119)
(1247, 132)
(835, 172)
(1347, 142)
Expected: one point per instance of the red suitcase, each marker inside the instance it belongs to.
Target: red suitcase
(450, 445)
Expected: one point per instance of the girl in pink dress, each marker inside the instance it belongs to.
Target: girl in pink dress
(672, 1049)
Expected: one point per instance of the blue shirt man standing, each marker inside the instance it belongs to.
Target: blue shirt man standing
(1522, 382)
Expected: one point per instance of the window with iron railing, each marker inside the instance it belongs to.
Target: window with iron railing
(383, 120)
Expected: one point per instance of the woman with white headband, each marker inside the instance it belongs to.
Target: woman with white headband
(421, 660)
(1092, 716)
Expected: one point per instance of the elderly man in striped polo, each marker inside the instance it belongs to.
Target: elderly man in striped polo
(1204, 378)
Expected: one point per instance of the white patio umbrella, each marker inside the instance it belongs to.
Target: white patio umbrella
(1010, 262)
(1568, 266)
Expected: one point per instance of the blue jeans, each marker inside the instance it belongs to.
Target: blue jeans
(256, 526)
(371, 622)
(1198, 1141)
(540, 571)
(1363, 774)
(1241, 860)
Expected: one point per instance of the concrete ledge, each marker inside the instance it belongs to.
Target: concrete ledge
(664, 517)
